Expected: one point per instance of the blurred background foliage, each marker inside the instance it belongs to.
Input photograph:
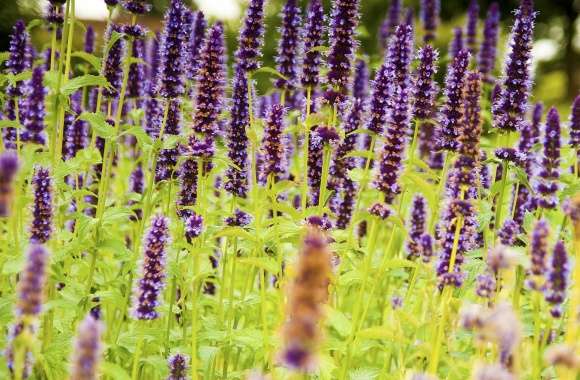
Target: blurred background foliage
(556, 51)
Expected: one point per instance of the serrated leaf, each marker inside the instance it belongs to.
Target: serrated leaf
(271, 71)
(10, 124)
(142, 137)
(90, 58)
(98, 123)
(84, 81)
(114, 371)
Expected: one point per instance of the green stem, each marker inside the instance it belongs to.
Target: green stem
(324, 180)
(306, 149)
(499, 206)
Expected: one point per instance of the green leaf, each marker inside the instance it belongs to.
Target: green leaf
(4, 57)
(90, 58)
(140, 134)
(115, 36)
(84, 81)
(266, 263)
(10, 124)
(99, 124)
(361, 153)
(235, 232)
(34, 23)
(114, 371)
(320, 49)
(271, 71)
(170, 141)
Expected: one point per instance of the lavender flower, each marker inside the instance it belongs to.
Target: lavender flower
(547, 181)
(239, 219)
(346, 207)
(31, 283)
(137, 7)
(178, 367)
(188, 175)
(508, 232)
(75, 130)
(378, 103)
(313, 37)
(314, 173)
(154, 58)
(168, 157)
(452, 112)
(237, 178)
(430, 17)
(272, 145)
(399, 56)
(343, 23)
(54, 15)
(289, 46)
(471, 27)
(509, 110)
(360, 86)
(87, 351)
(112, 67)
(172, 52)
(456, 44)
(193, 226)
(196, 38)
(34, 114)
(427, 244)
(425, 88)
(486, 286)
(136, 82)
(380, 210)
(89, 46)
(538, 253)
(148, 288)
(20, 56)
(153, 117)
(41, 226)
(9, 166)
(557, 279)
(210, 81)
(390, 23)
(251, 37)
(416, 227)
(488, 50)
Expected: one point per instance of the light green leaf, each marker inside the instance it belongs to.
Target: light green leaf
(97, 121)
(90, 58)
(10, 124)
(271, 71)
(84, 81)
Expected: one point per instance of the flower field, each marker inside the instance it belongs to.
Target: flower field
(173, 210)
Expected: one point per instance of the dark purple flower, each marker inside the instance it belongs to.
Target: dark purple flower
(427, 244)
(272, 151)
(289, 46)
(34, 113)
(196, 38)
(150, 285)
(378, 103)
(538, 253)
(76, 131)
(488, 51)
(509, 154)
(360, 84)
(136, 83)
(251, 37)
(239, 219)
(343, 23)
(486, 285)
(41, 226)
(193, 226)
(172, 51)
(456, 44)
(20, 56)
(313, 37)
(471, 27)
(137, 7)
(31, 282)
(237, 177)
(137, 31)
(399, 118)
(87, 350)
(89, 46)
(188, 176)
(430, 17)
(425, 88)
(346, 207)
(575, 123)
(111, 3)
(54, 15)
(178, 367)
(508, 233)
(452, 113)
(210, 81)
(136, 185)
(547, 179)
(9, 166)
(380, 210)
(314, 172)
(390, 23)
(557, 281)
(168, 157)
(112, 69)
(417, 226)
(153, 59)
(509, 111)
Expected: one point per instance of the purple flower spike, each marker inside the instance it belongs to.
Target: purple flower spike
(112, 69)
(390, 23)
(425, 88)
(34, 114)
(509, 111)
(41, 226)
(31, 282)
(136, 84)
(196, 38)
(239, 219)
(547, 179)
(20, 58)
(451, 113)
(76, 131)
(343, 23)
(399, 118)
(417, 226)
(89, 40)
(508, 233)
(486, 285)
(313, 37)
(430, 17)
(557, 279)
(289, 46)
(178, 367)
(188, 174)
(575, 123)
(87, 350)
(251, 39)
(378, 102)
(193, 226)
(272, 145)
(427, 244)
(137, 7)
(210, 81)
(471, 27)
(456, 44)
(153, 57)
(237, 177)
(148, 288)
(488, 50)
(172, 51)
(168, 157)
(538, 253)
(8, 168)
(360, 84)
(54, 15)
(346, 207)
